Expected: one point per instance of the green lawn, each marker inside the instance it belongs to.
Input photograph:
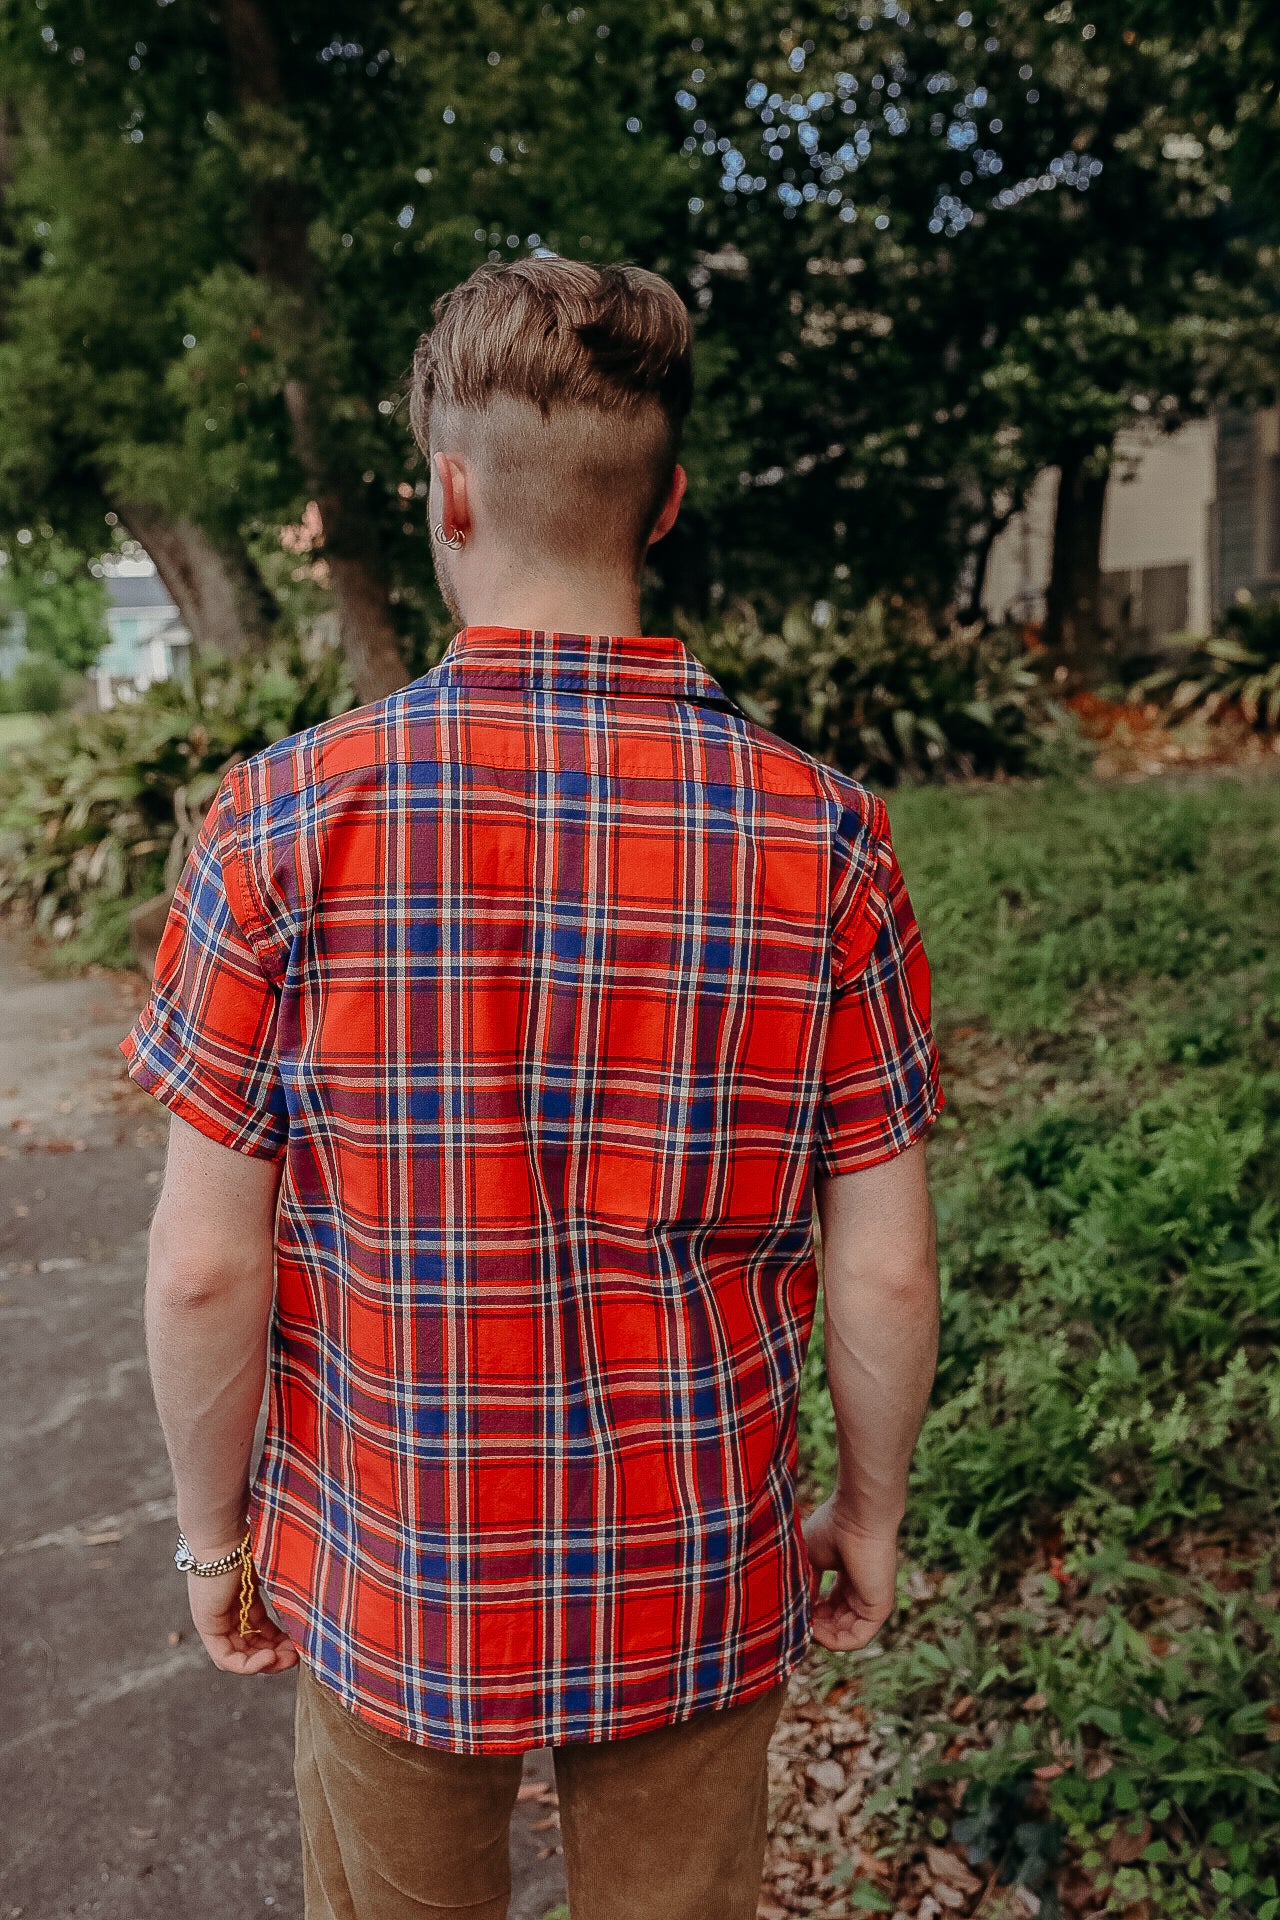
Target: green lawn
(19, 730)
(1094, 1645)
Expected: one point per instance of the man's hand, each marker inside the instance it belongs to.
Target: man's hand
(215, 1610)
(866, 1569)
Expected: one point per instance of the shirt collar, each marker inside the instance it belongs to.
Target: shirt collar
(576, 662)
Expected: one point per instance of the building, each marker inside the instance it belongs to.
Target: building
(1192, 524)
(146, 638)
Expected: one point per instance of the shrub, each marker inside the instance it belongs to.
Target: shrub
(881, 695)
(1084, 1672)
(109, 800)
(36, 685)
(1236, 668)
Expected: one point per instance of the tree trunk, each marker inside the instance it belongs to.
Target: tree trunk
(282, 254)
(977, 563)
(217, 589)
(1073, 630)
(351, 549)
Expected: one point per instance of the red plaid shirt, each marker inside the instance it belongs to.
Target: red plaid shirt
(552, 978)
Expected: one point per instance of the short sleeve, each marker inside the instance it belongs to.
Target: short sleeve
(881, 1088)
(205, 1044)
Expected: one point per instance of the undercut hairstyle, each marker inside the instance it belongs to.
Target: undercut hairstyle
(568, 386)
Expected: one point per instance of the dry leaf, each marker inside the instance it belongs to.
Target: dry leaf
(1124, 1847)
(948, 1867)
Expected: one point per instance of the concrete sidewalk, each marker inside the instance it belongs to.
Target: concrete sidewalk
(136, 1781)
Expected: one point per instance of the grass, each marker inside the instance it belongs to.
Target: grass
(19, 730)
(1084, 1672)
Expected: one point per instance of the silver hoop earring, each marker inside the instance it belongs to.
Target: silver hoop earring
(453, 541)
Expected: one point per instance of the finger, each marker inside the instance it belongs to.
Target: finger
(844, 1636)
(247, 1662)
(846, 1618)
(280, 1647)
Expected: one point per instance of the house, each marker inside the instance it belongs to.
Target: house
(146, 638)
(13, 641)
(1192, 524)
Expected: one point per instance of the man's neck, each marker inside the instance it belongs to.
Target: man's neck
(564, 603)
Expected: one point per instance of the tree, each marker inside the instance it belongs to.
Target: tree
(63, 606)
(1009, 241)
(880, 220)
(93, 255)
(333, 189)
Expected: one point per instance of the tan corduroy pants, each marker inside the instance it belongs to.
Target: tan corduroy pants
(664, 1826)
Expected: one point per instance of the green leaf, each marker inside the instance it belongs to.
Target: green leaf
(872, 1898)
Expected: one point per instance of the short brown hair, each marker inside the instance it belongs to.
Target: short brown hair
(604, 354)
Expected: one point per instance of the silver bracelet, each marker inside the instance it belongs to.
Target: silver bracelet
(185, 1561)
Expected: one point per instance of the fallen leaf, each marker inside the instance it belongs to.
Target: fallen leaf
(950, 1868)
(828, 1774)
(1035, 1703)
(1124, 1847)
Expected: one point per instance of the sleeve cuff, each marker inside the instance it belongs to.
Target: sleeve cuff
(893, 1136)
(196, 1095)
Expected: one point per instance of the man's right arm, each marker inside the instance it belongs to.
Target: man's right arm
(880, 1292)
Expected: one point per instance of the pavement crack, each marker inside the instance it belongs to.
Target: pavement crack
(83, 1533)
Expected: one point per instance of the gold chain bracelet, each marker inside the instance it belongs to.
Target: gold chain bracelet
(246, 1587)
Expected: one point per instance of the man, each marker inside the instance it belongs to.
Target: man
(515, 1017)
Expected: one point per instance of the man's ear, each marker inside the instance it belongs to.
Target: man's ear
(454, 505)
(671, 505)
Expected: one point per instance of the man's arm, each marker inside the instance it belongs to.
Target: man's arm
(210, 1280)
(880, 1290)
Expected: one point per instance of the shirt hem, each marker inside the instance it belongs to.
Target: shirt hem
(392, 1727)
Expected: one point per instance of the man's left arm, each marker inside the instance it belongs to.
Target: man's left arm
(210, 1283)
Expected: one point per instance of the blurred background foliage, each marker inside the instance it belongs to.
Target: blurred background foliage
(1084, 1675)
(928, 253)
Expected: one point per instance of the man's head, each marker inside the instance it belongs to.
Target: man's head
(550, 397)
